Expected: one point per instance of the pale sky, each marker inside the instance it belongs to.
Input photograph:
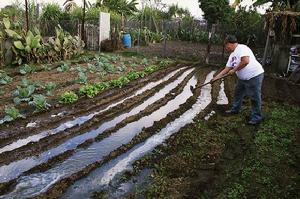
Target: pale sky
(191, 5)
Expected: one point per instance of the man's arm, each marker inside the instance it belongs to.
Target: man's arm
(244, 62)
(222, 73)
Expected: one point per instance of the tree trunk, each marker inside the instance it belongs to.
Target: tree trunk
(82, 22)
(26, 13)
(211, 31)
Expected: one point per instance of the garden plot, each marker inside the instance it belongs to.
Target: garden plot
(47, 159)
(19, 86)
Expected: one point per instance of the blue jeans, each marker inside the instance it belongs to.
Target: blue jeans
(251, 88)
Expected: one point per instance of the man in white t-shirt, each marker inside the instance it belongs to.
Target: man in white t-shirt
(250, 75)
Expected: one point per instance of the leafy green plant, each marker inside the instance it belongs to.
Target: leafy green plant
(4, 78)
(145, 62)
(68, 97)
(23, 94)
(135, 75)
(121, 68)
(49, 87)
(150, 69)
(108, 67)
(28, 47)
(91, 68)
(82, 78)
(63, 68)
(39, 102)
(26, 69)
(88, 90)
(102, 86)
(11, 114)
(81, 69)
(164, 63)
(119, 82)
(46, 67)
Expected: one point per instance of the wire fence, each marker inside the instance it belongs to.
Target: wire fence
(186, 39)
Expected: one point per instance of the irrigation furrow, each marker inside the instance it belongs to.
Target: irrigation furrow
(96, 151)
(101, 177)
(80, 120)
(61, 185)
(47, 143)
(25, 164)
(9, 133)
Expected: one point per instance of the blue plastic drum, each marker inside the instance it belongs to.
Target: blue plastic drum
(127, 40)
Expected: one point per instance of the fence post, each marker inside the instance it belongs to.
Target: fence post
(100, 32)
(165, 38)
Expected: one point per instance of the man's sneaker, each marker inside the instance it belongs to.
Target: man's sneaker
(252, 122)
(231, 112)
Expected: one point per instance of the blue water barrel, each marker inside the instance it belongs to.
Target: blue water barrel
(127, 40)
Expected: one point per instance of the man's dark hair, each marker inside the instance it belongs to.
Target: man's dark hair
(230, 39)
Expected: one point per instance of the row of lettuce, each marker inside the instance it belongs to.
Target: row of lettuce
(26, 93)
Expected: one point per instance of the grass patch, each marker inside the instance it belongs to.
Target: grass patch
(224, 158)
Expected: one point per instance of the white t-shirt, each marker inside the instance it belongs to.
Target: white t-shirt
(253, 69)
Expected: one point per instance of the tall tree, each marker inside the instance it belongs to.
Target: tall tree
(214, 12)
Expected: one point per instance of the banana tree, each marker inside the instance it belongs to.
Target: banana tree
(83, 16)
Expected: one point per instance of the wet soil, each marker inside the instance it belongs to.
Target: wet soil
(206, 159)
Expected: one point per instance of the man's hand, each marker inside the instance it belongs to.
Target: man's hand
(231, 72)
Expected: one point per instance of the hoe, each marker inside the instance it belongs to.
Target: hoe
(210, 82)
